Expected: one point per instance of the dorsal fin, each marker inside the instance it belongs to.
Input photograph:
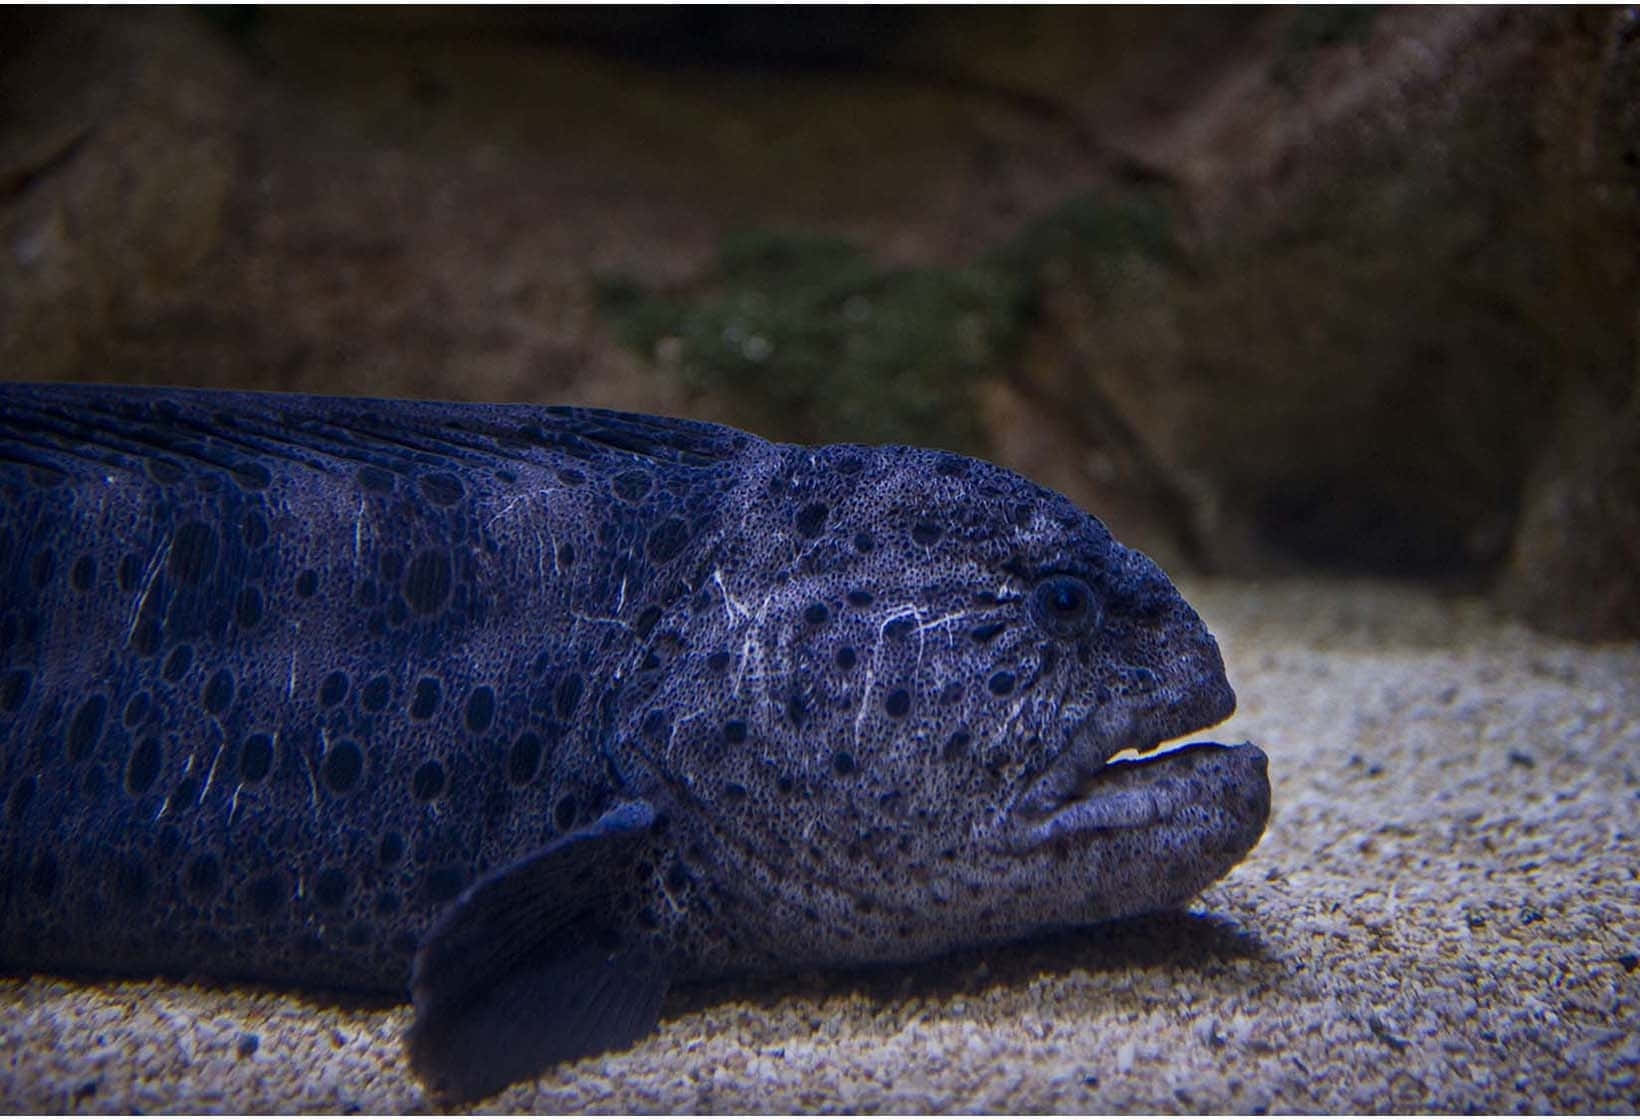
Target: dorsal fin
(71, 428)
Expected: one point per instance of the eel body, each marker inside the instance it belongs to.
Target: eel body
(532, 712)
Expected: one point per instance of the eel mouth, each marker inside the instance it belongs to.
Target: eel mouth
(1095, 786)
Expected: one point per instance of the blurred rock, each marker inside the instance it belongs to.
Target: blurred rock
(1573, 567)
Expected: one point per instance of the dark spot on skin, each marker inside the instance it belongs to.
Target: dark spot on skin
(568, 696)
(524, 759)
(563, 814)
(130, 572)
(377, 692)
(566, 555)
(251, 476)
(14, 686)
(83, 574)
(248, 610)
(218, 692)
(193, 553)
(392, 849)
(630, 486)
(811, 519)
(795, 710)
(204, 876)
(307, 583)
(667, 539)
(646, 621)
(177, 663)
(677, 877)
(898, 629)
(784, 784)
(442, 488)
(860, 598)
(734, 791)
(815, 614)
(951, 466)
(163, 471)
(265, 894)
(1001, 682)
(571, 477)
(951, 693)
(330, 887)
(255, 756)
(863, 542)
(136, 708)
(254, 530)
(333, 689)
(956, 746)
(846, 658)
(843, 763)
(247, 1045)
(342, 767)
(656, 726)
(375, 479)
(43, 880)
(986, 631)
(427, 584)
(427, 782)
(425, 701)
(480, 708)
(734, 731)
(898, 703)
(926, 532)
(143, 767)
(86, 727)
(718, 661)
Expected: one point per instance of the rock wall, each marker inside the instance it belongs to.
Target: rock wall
(1349, 288)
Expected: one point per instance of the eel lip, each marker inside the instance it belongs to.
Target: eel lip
(1140, 793)
(1082, 790)
(1104, 734)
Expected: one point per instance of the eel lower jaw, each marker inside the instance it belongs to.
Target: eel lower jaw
(1094, 787)
(1090, 747)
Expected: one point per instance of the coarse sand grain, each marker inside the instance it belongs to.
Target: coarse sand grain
(1443, 916)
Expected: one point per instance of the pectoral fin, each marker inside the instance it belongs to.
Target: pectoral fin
(535, 964)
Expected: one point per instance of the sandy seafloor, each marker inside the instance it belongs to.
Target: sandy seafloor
(1444, 915)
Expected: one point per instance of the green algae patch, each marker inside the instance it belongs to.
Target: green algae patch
(810, 339)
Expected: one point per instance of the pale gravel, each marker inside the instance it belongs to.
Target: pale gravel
(1443, 916)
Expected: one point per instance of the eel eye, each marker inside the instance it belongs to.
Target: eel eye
(1064, 606)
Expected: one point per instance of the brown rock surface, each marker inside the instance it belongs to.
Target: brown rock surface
(1399, 266)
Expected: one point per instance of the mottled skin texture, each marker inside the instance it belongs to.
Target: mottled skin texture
(575, 703)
